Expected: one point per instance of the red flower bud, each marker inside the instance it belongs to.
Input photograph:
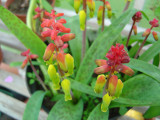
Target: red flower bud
(49, 51)
(135, 29)
(155, 35)
(137, 17)
(47, 23)
(127, 70)
(68, 37)
(33, 56)
(62, 20)
(65, 46)
(147, 32)
(108, 6)
(58, 42)
(46, 32)
(24, 63)
(54, 34)
(62, 28)
(154, 23)
(59, 14)
(25, 53)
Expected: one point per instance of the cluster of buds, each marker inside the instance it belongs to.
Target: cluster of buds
(100, 11)
(39, 12)
(153, 23)
(28, 56)
(113, 86)
(60, 64)
(136, 18)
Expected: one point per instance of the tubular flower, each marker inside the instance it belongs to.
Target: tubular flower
(91, 5)
(77, 4)
(99, 15)
(116, 57)
(82, 19)
(60, 64)
(52, 27)
(28, 57)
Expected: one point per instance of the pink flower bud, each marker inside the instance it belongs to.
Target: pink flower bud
(100, 62)
(49, 51)
(59, 14)
(68, 37)
(47, 23)
(64, 45)
(108, 6)
(155, 35)
(154, 23)
(62, 28)
(54, 34)
(25, 53)
(46, 32)
(58, 42)
(102, 69)
(135, 29)
(137, 17)
(24, 63)
(33, 56)
(127, 70)
(147, 32)
(62, 20)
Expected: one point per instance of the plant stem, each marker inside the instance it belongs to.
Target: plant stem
(103, 16)
(38, 77)
(142, 45)
(130, 33)
(53, 3)
(127, 5)
(84, 33)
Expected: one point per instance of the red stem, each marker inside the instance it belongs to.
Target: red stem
(103, 15)
(130, 33)
(38, 77)
(84, 33)
(127, 5)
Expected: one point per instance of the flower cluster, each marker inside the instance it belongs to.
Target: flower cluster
(113, 86)
(153, 23)
(28, 57)
(61, 65)
(136, 18)
(91, 6)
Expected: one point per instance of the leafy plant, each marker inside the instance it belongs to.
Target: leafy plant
(75, 75)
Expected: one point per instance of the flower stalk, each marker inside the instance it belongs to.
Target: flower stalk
(103, 16)
(130, 34)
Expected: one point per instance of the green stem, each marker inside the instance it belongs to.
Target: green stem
(30, 13)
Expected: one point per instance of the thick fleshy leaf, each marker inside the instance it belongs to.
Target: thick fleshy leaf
(23, 33)
(33, 106)
(100, 47)
(153, 111)
(140, 90)
(145, 68)
(66, 111)
(97, 114)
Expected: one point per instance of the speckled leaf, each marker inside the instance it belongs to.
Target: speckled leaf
(101, 45)
(23, 33)
(63, 110)
(97, 114)
(33, 106)
(140, 90)
(145, 68)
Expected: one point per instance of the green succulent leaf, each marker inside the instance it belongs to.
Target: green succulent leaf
(63, 110)
(97, 114)
(33, 106)
(153, 111)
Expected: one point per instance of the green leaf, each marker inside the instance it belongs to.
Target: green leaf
(46, 5)
(150, 52)
(145, 15)
(156, 60)
(156, 12)
(97, 114)
(153, 111)
(140, 90)
(31, 81)
(145, 68)
(23, 33)
(33, 106)
(122, 110)
(101, 45)
(63, 110)
(133, 50)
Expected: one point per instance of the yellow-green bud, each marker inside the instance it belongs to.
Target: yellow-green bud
(69, 61)
(54, 76)
(99, 83)
(82, 19)
(77, 4)
(119, 88)
(66, 86)
(100, 15)
(109, 12)
(106, 102)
